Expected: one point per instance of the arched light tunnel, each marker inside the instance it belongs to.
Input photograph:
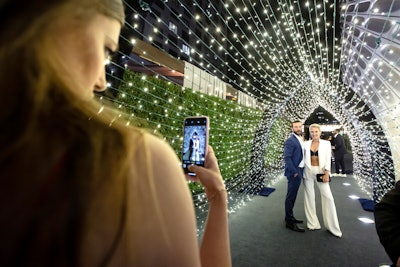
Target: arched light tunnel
(284, 59)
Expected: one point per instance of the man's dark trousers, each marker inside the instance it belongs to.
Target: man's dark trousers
(293, 188)
(339, 164)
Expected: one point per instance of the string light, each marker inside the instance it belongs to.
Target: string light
(284, 59)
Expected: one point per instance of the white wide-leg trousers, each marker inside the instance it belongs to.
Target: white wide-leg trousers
(329, 214)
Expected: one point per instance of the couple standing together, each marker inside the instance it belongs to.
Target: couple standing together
(303, 161)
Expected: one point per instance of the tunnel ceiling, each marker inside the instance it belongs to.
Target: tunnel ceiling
(273, 50)
(291, 56)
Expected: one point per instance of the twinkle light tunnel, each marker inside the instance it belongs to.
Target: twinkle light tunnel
(280, 61)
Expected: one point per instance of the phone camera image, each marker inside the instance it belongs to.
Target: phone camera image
(194, 142)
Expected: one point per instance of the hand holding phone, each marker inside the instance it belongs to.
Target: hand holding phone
(195, 142)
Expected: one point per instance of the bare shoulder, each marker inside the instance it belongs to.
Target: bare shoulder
(159, 149)
(168, 232)
(163, 165)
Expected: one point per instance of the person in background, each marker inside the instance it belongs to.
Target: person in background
(194, 147)
(339, 149)
(387, 223)
(330, 139)
(79, 188)
(317, 159)
(294, 164)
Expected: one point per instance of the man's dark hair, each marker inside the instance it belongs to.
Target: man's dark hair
(296, 121)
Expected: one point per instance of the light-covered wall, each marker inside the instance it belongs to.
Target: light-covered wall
(371, 63)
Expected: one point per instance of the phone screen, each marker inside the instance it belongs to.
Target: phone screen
(195, 141)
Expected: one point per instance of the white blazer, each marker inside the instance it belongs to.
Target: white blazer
(324, 155)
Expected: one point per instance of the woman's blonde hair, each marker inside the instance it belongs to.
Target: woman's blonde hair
(56, 152)
(315, 125)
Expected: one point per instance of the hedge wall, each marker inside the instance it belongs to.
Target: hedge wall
(161, 106)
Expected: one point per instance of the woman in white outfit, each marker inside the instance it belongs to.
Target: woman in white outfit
(317, 159)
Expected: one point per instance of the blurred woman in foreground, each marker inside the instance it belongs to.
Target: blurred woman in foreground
(76, 189)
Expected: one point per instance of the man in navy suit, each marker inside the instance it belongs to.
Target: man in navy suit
(294, 164)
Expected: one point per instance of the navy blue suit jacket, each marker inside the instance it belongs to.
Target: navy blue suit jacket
(292, 154)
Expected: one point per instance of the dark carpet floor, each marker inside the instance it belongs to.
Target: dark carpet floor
(259, 237)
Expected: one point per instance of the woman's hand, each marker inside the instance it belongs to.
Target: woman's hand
(209, 175)
(325, 178)
(215, 246)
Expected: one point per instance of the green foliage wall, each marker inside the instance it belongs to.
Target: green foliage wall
(276, 139)
(161, 106)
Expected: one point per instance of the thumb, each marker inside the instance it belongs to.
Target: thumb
(196, 169)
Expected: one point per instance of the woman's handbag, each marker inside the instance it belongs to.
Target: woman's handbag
(319, 177)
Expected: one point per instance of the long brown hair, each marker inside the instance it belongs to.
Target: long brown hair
(56, 151)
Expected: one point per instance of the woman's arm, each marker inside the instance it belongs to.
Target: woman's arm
(172, 241)
(163, 229)
(215, 246)
(327, 157)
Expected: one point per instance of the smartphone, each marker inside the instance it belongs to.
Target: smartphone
(195, 141)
